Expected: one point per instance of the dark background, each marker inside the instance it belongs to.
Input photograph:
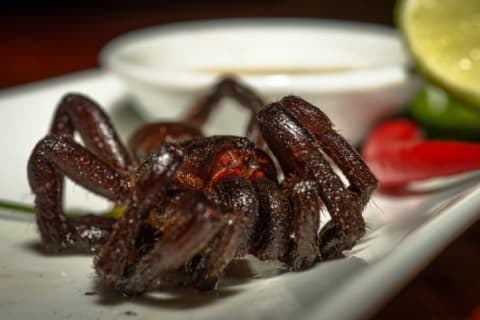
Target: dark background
(58, 37)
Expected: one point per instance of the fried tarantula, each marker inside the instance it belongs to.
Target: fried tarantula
(194, 203)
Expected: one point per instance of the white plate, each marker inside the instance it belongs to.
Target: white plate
(404, 234)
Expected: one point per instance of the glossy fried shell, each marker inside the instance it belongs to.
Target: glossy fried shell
(195, 203)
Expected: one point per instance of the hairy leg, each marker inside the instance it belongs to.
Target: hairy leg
(76, 112)
(287, 128)
(362, 181)
(272, 231)
(101, 166)
(119, 252)
(198, 115)
(53, 158)
(206, 268)
(303, 249)
(201, 111)
(237, 195)
(187, 225)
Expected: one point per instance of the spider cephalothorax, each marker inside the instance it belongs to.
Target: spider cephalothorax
(194, 203)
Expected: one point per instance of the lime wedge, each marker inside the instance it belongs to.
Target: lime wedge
(443, 37)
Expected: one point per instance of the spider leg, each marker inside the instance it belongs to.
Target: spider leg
(47, 166)
(293, 130)
(289, 222)
(187, 227)
(303, 249)
(53, 158)
(206, 268)
(118, 254)
(259, 226)
(236, 194)
(265, 234)
(272, 230)
(199, 114)
(78, 113)
(362, 181)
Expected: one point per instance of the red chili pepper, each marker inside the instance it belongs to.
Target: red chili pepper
(397, 153)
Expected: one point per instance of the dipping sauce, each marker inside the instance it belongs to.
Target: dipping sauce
(268, 70)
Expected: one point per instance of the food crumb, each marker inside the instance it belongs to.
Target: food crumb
(90, 293)
(130, 313)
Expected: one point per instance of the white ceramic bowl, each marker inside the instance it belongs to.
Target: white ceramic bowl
(357, 73)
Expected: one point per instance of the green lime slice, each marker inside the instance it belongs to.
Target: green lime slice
(444, 116)
(443, 37)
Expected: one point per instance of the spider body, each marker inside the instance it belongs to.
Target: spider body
(195, 203)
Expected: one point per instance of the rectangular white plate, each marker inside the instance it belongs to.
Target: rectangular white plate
(403, 235)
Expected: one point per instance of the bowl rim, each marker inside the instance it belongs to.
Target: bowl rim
(185, 79)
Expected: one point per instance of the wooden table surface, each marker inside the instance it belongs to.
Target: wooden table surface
(41, 41)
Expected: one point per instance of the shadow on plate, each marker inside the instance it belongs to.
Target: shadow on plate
(172, 295)
(35, 247)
